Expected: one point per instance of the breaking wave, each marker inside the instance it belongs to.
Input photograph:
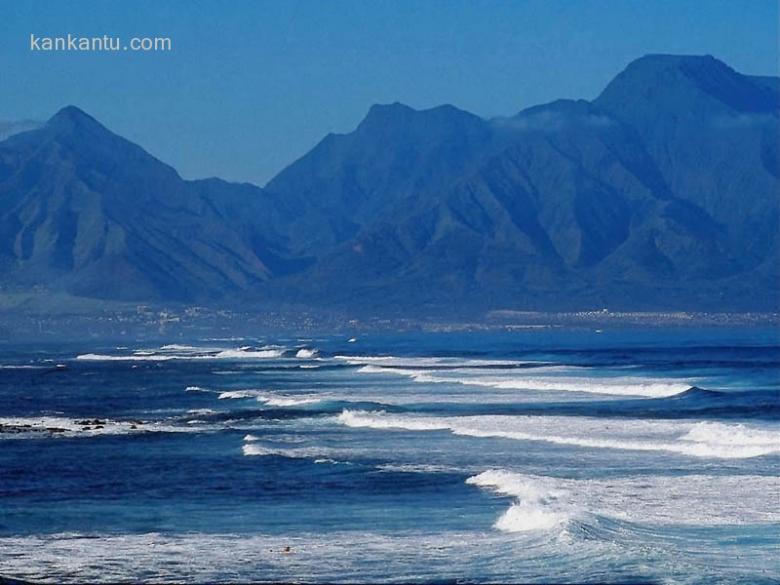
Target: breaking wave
(243, 353)
(239, 394)
(270, 399)
(542, 502)
(57, 426)
(618, 386)
(284, 401)
(715, 440)
(306, 353)
(252, 448)
(393, 362)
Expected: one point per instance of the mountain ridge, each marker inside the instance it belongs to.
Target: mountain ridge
(661, 193)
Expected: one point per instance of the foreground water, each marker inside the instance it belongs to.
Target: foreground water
(538, 456)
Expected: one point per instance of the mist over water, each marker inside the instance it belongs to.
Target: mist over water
(623, 456)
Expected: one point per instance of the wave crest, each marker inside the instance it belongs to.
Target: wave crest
(713, 440)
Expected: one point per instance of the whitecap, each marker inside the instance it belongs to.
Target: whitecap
(543, 502)
(225, 354)
(239, 394)
(284, 401)
(178, 347)
(239, 354)
(714, 440)
(616, 386)
(57, 426)
(394, 362)
(145, 357)
(22, 367)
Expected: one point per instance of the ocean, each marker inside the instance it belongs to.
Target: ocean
(531, 456)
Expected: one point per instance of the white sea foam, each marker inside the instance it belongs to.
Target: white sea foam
(141, 357)
(511, 380)
(715, 440)
(537, 505)
(178, 347)
(201, 411)
(306, 353)
(709, 439)
(284, 401)
(546, 502)
(359, 556)
(239, 394)
(249, 354)
(269, 399)
(249, 438)
(394, 362)
(621, 386)
(381, 420)
(204, 557)
(416, 468)
(22, 367)
(196, 389)
(525, 517)
(56, 426)
(197, 354)
(253, 449)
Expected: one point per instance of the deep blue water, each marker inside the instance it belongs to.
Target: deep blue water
(531, 456)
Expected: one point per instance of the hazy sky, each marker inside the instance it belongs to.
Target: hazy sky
(250, 86)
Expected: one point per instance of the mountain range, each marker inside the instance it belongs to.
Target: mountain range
(663, 193)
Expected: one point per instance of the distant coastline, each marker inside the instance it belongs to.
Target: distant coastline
(189, 322)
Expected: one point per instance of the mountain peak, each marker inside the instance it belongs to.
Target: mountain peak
(380, 114)
(397, 116)
(665, 82)
(395, 107)
(71, 118)
(73, 126)
(673, 60)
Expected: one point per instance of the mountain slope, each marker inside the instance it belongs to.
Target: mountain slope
(85, 211)
(393, 157)
(660, 193)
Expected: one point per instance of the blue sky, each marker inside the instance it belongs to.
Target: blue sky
(250, 85)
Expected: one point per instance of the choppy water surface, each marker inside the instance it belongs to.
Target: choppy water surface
(574, 456)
